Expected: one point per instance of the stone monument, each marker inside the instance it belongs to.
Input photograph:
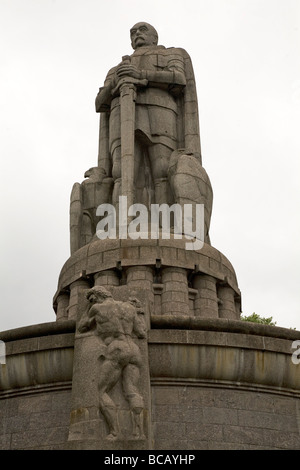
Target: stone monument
(149, 154)
(148, 350)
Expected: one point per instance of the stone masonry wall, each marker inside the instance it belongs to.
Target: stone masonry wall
(221, 384)
(187, 417)
(38, 421)
(35, 386)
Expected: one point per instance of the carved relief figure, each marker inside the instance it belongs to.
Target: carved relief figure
(117, 324)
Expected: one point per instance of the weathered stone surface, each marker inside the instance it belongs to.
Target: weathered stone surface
(233, 386)
(125, 256)
(149, 110)
(35, 386)
(190, 184)
(148, 350)
(253, 402)
(200, 356)
(35, 421)
(111, 382)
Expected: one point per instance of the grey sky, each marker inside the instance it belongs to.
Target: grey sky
(55, 55)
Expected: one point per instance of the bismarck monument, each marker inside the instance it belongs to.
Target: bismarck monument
(148, 350)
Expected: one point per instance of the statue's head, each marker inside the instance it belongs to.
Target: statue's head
(97, 294)
(143, 34)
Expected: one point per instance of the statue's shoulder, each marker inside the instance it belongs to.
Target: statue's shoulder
(111, 71)
(177, 50)
(95, 308)
(185, 57)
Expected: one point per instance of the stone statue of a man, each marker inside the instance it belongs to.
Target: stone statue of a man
(117, 324)
(166, 114)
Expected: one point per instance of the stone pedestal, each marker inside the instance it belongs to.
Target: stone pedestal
(167, 278)
(162, 279)
(216, 384)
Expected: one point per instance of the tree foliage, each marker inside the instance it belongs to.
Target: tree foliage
(255, 318)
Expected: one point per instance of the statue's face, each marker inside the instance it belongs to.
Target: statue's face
(143, 34)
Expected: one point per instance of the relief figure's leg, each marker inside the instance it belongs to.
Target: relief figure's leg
(131, 376)
(110, 373)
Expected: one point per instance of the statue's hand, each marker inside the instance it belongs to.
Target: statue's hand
(128, 74)
(128, 70)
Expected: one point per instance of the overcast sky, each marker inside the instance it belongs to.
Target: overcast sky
(246, 55)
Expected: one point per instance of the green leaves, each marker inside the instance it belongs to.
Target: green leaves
(255, 318)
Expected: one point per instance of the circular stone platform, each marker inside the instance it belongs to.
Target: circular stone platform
(215, 384)
(206, 275)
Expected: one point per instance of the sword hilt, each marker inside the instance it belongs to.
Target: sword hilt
(130, 81)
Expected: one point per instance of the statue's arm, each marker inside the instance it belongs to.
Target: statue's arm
(170, 75)
(167, 77)
(170, 72)
(104, 96)
(139, 325)
(87, 320)
(103, 100)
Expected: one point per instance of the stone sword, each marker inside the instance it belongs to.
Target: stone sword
(127, 87)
